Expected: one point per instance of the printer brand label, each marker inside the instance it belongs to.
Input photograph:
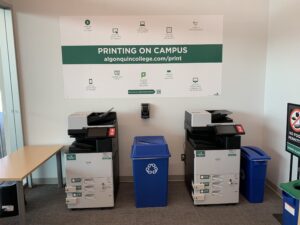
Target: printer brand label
(71, 157)
(231, 153)
(200, 153)
(106, 156)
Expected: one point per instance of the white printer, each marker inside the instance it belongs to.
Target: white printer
(92, 161)
(212, 157)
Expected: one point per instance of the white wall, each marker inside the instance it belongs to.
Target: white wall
(5, 2)
(282, 82)
(45, 110)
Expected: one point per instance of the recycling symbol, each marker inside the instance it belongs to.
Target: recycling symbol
(151, 168)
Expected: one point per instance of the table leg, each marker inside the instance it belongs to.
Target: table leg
(59, 169)
(21, 202)
(29, 180)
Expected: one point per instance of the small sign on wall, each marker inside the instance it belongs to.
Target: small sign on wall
(293, 129)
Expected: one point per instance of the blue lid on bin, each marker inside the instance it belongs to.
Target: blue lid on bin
(254, 153)
(150, 147)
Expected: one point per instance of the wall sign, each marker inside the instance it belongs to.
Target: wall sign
(293, 129)
(142, 56)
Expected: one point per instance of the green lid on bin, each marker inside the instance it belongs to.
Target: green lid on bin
(292, 188)
(150, 147)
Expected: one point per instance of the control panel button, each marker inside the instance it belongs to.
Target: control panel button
(239, 128)
(111, 132)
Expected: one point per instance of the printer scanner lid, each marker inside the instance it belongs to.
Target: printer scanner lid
(100, 118)
(220, 116)
(84, 120)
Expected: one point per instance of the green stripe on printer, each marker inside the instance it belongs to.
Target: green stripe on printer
(200, 153)
(71, 157)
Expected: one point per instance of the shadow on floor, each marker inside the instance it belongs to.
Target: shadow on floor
(278, 217)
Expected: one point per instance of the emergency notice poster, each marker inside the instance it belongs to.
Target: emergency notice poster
(293, 129)
(142, 56)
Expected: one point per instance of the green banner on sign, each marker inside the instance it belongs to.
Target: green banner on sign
(142, 54)
(295, 150)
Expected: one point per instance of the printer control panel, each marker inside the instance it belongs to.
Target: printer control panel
(232, 129)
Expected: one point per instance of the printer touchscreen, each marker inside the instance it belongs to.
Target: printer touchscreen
(97, 132)
(225, 130)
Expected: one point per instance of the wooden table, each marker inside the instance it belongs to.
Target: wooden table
(20, 164)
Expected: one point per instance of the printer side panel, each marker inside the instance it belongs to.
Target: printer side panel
(89, 180)
(217, 174)
(189, 165)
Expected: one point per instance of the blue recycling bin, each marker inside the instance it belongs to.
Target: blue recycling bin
(290, 199)
(253, 173)
(150, 160)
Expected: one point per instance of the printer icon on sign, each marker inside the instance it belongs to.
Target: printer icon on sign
(195, 79)
(115, 30)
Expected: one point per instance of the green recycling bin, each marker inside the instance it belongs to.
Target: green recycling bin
(290, 198)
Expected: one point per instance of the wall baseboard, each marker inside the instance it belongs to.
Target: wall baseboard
(274, 188)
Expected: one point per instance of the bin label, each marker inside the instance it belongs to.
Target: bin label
(289, 208)
(232, 153)
(151, 168)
